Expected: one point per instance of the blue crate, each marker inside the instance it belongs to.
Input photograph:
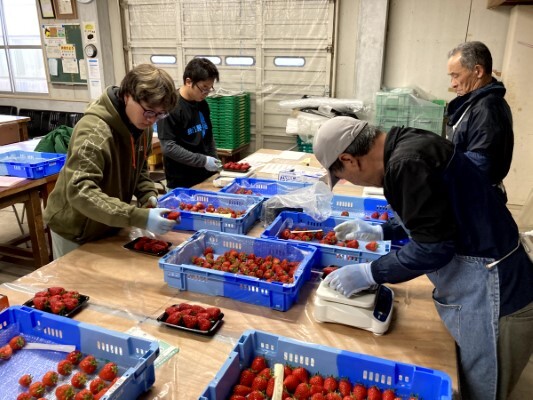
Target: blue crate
(327, 254)
(30, 164)
(134, 356)
(360, 207)
(194, 221)
(182, 274)
(405, 379)
(263, 187)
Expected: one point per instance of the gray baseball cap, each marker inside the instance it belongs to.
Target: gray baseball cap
(332, 139)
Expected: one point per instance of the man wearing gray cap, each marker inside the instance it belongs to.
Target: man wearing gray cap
(462, 237)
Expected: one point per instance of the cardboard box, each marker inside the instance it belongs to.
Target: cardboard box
(303, 174)
(4, 302)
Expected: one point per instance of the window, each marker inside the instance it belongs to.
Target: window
(21, 54)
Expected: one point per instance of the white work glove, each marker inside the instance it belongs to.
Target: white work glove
(358, 229)
(351, 279)
(150, 203)
(157, 223)
(212, 164)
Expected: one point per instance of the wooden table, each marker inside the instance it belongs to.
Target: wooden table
(13, 129)
(127, 289)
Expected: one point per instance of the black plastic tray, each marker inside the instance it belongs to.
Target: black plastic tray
(210, 332)
(130, 246)
(83, 300)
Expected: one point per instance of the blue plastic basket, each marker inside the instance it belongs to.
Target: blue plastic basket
(30, 164)
(194, 221)
(405, 379)
(134, 356)
(263, 187)
(182, 274)
(360, 207)
(327, 254)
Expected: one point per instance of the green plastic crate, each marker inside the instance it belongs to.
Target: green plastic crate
(304, 146)
(230, 117)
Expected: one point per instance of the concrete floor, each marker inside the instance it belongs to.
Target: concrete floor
(9, 272)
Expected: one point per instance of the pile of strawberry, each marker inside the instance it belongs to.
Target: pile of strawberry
(257, 383)
(242, 190)
(269, 268)
(56, 300)
(150, 245)
(236, 166)
(384, 216)
(82, 385)
(329, 238)
(192, 316)
(210, 208)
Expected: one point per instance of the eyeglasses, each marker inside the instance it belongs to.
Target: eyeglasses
(205, 91)
(149, 114)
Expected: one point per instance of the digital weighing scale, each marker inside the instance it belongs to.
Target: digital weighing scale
(369, 310)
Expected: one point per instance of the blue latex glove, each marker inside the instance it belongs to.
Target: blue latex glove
(212, 163)
(157, 223)
(351, 279)
(150, 203)
(358, 229)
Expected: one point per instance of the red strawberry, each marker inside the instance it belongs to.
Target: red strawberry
(317, 389)
(374, 215)
(345, 387)
(64, 367)
(190, 321)
(88, 365)
(359, 391)
(328, 270)
(71, 303)
(57, 307)
(345, 214)
(316, 380)
(24, 396)
(267, 373)
(374, 393)
(242, 390)
(108, 371)
(65, 392)
(101, 393)
(36, 389)
(333, 396)
(302, 391)
(301, 373)
(247, 377)
(384, 216)
(204, 324)
(291, 382)
(172, 309)
(388, 394)
(260, 383)
(40, 303)
(372, 246)
(71, 294)
(79, 380)
(287, 370)
(259, 363)
(174, 319)
(74, 357)
(214, 312)
(174, 215)
(6, 352)
(52, 291)
(96, 385)
(17, 342)
(50, 378)
(85, 394)
(25, 380)
(318, 396)
(330, 384)
(255, 395)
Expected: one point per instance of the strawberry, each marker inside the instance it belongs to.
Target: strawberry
(71, 303)
(345, 214)
(88, 365)
(204, 324)
(259, 363)
(384, 216)
(57, 290)
(388, 394)
(247, 377)
(328, 270)
(84, 394)
(101, 393)
(372, 246)
(260, 383)
(36, 389)
(17, 342)
(40, 303)
(24, 396)
(345, 387)
(57, 307)
(6, 352)
(302, 391)
(267, 373)
(108, 371)
(333, 396)
(291, 382)
(79, 380)
(359, 391)
(214, 312)
(190, 321)
(242, 390)
(50, 378)
(174, 215)
(74, 357)
(96, 385)
(375, 215)
(330, 384)
(174, 319)
(255, 395)
(374, 393)
(172, 309)
(71, 294)
(318, 396)
(25, 380)
(64, 367)
(316, 380)
(301, 373)
(65, 392)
